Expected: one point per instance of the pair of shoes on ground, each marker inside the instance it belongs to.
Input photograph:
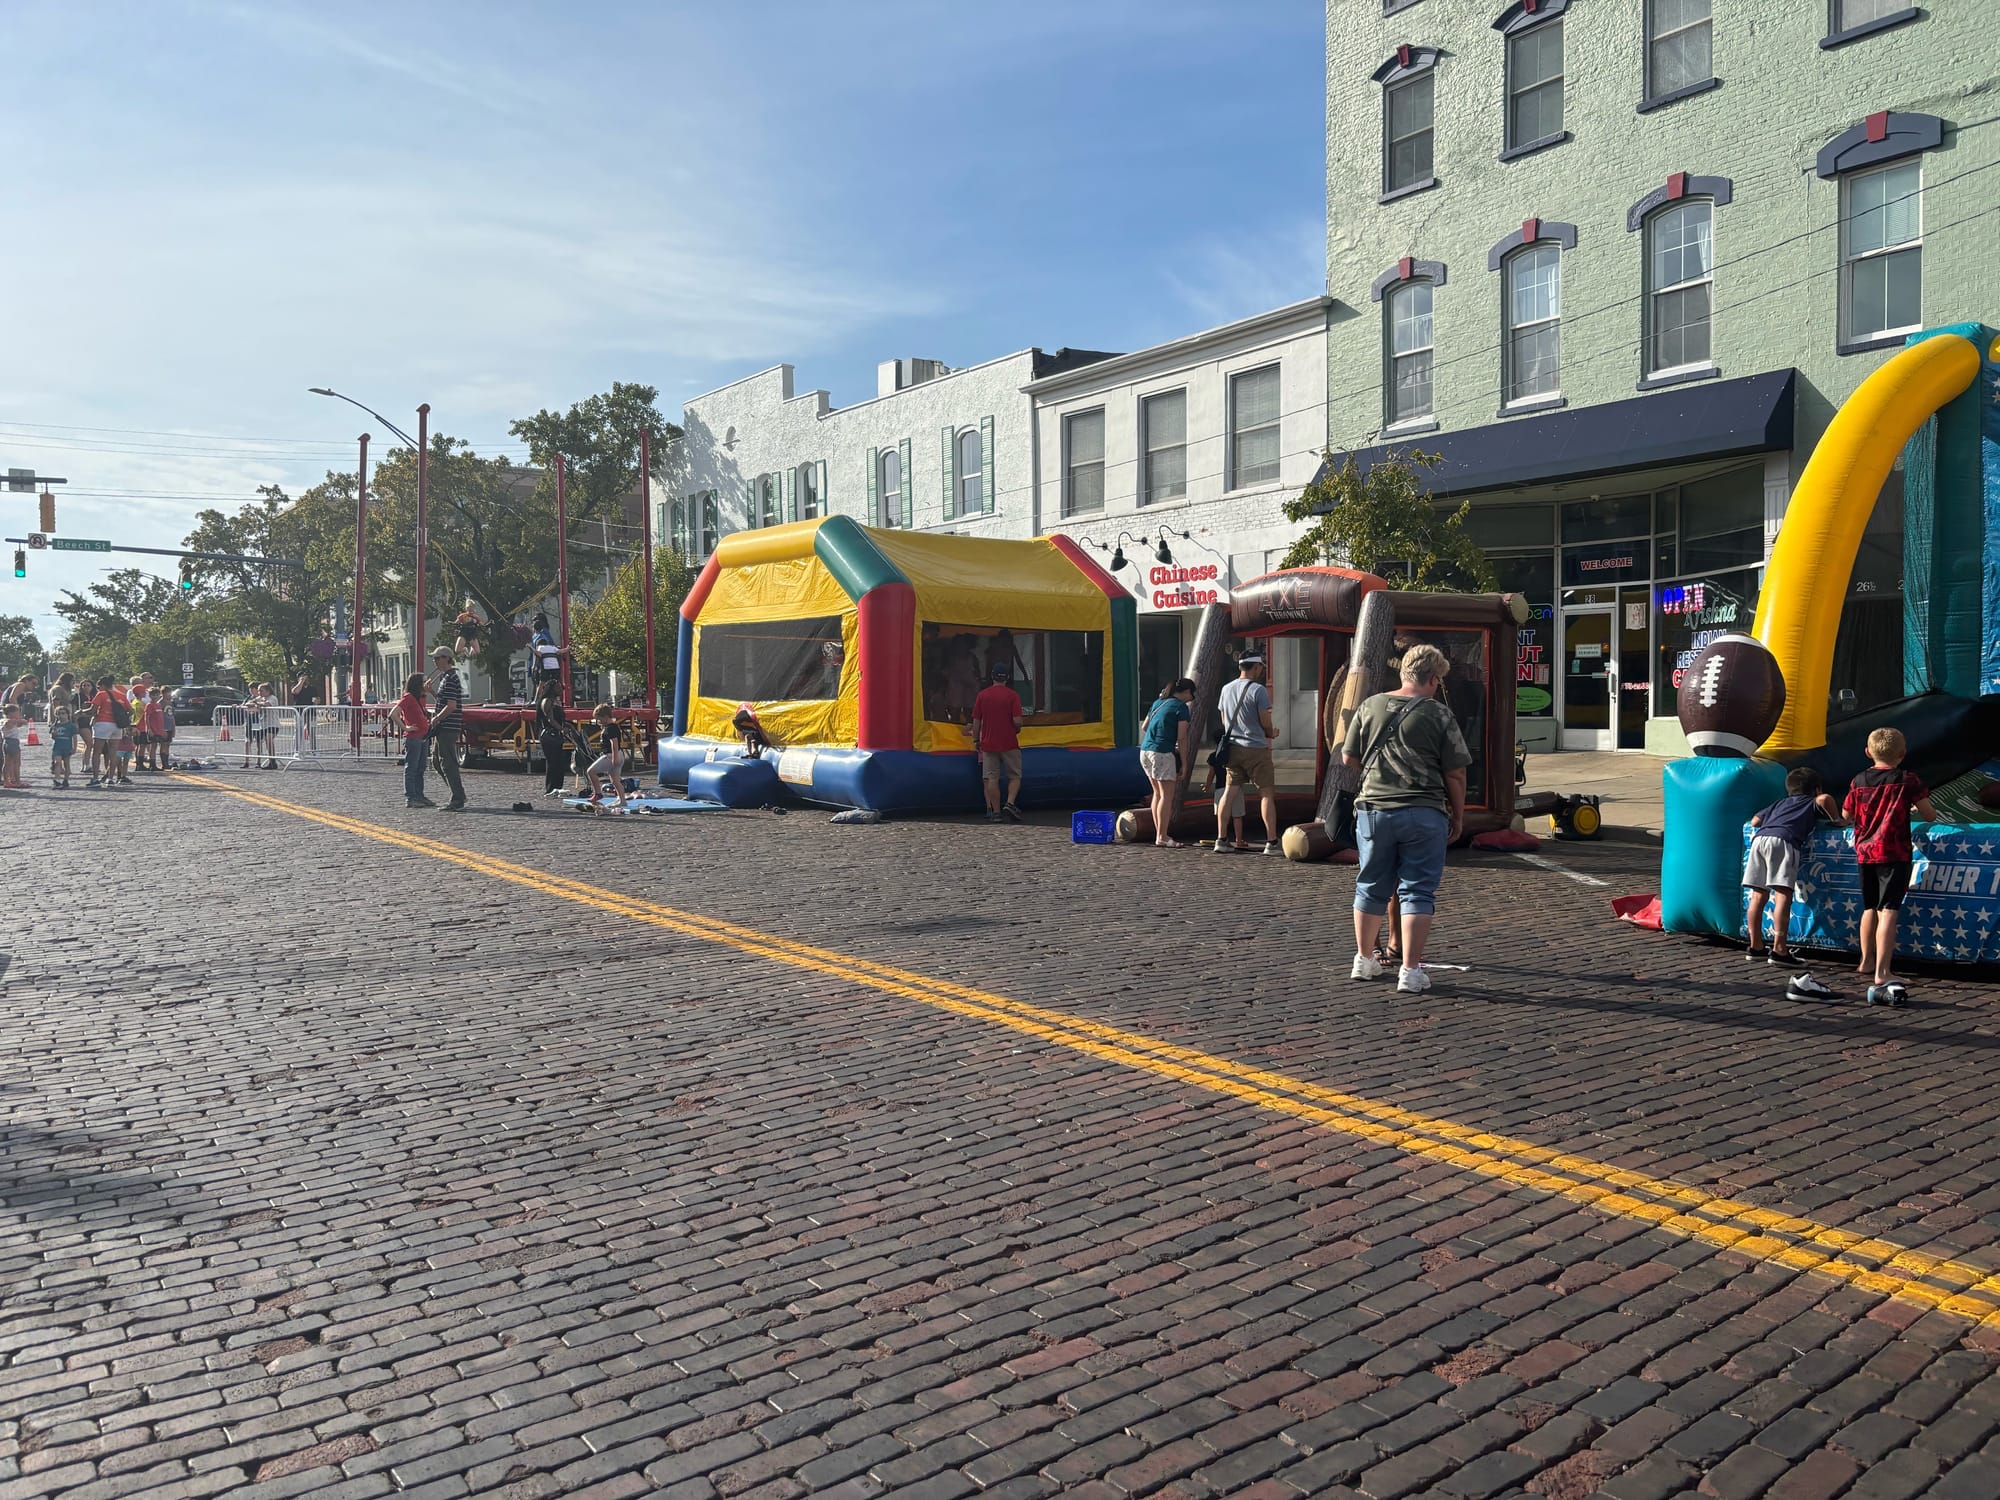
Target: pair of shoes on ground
(1408, 981)
(1227, 846)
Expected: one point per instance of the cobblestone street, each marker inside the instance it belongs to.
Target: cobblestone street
(352, 1150)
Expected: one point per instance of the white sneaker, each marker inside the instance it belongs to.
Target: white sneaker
(1364, 968)
(1412, 982)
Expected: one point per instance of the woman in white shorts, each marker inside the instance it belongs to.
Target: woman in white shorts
(1163, 750)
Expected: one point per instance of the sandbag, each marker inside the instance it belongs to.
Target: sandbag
(1708, 799)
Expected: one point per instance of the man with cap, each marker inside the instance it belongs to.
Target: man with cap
(996, 735)
(448, 723)
(1248, 731)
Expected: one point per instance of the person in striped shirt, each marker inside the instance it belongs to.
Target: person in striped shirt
(448, 723)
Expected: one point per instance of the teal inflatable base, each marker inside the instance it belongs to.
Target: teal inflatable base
(1708, 799)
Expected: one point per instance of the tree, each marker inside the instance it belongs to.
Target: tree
(1385, 522)
(20, 647)
(105, 619)
(262, 660)
(610, 634)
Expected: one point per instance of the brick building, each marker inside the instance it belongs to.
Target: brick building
(1619, 261)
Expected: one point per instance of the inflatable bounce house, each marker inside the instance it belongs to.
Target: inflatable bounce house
(1755, 706)
(1360, 627)
(835, 663)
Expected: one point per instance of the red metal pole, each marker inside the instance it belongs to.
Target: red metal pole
(646, 549)
(354, 630)
(562, 573)
(417, 662)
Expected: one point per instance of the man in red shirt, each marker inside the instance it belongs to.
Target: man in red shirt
(996, 735)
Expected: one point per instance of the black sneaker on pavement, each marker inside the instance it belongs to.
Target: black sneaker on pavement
(1011, 811)
(1805, 987)
(420, 802)
(1785, 960)
(452, 807)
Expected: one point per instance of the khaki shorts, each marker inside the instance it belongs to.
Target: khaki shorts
(1250, 766)
(997, 762)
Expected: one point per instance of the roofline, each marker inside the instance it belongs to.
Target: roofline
(1119, 365)
(834, 411)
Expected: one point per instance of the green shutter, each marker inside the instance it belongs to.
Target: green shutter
(909, 483)
(823, 510)
(791, 494)
(950, 438)
(988, 497)
(874, 517)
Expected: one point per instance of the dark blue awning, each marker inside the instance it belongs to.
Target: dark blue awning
(1707, 419)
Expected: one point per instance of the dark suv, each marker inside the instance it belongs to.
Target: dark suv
(197, 705)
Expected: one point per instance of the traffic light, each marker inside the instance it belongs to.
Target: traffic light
(48, 510)
(20, 563)
(187, 576)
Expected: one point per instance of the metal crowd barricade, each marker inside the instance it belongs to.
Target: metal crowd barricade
(247, 736)
(342, 734)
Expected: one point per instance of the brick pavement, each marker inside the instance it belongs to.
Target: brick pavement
(538, 1199)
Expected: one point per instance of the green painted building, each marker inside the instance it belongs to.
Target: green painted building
(1617, 262)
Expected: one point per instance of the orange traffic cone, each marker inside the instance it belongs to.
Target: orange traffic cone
(224, 734)
(33, 738)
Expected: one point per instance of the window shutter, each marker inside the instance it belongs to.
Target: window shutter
(791, 494)
(989, 499)
(874, 516)
(950, 506)
(823, 510)
(908, 485)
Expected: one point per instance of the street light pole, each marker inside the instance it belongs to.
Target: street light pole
(562, 575)
(423, 530)
(360, 578)
(646, 553)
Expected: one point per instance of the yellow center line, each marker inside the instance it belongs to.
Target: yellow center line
(1689, 1211)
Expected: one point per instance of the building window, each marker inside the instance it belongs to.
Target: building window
(1164, 418)
(1680, 268)
(1678, 47)
(889, 486)
(764, 502)
(808, 491)
(1409, 325)
(1534, 85)
(1851, 15)
(1083, 462)
(1881, 251)
(1406, 133)
(695, 526)
(968, 473)
(1254, 450)
(1532, 301)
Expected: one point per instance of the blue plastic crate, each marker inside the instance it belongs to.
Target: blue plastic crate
(1093, 828)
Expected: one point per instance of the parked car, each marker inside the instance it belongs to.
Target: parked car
(197, 705)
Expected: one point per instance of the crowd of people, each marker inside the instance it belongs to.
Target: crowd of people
(112, 728)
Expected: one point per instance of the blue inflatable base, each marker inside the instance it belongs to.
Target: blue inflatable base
(906, 781)
(735, 781)
(1951, 915)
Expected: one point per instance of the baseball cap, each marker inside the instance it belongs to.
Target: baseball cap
(1002, 671)
(437, 651)
(1250, 659)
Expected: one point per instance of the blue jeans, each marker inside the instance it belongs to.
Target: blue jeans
(1402, 855)
(416, 750)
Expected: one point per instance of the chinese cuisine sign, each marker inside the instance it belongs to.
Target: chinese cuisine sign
(1175, 586)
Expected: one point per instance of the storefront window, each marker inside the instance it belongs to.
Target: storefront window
(1533, 577)
(1496, 526)
(1464, 694)
(1159, 652)
(1601, 519)
(1058, 673)
(1722, 522)
(1607, 562)
(779, 661)
(1868, 651)
(1689, 615)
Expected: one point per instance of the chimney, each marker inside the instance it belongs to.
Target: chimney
(893, 375)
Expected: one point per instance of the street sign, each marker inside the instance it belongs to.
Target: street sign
(36, 541)
(77, 544)
(187, 674)
(21, 479)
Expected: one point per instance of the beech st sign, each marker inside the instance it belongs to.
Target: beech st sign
(1171, 586)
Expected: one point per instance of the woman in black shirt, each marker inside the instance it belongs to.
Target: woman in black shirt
(552, 731)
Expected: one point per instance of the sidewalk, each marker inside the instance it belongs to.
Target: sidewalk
(1628, 782)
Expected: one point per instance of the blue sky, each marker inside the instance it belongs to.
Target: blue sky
(493, 207)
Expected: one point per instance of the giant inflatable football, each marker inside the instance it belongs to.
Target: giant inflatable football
(1732, 697)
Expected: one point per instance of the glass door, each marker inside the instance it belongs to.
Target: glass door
(1589, 676)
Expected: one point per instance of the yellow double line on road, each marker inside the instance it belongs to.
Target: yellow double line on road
(1681, 1209)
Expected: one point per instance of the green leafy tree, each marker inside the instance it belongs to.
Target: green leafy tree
(610, 634)
(261, 659)
(20, 648)
(1385, 522)
(104, 619)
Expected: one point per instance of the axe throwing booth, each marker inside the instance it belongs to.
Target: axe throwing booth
(1360, 628)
